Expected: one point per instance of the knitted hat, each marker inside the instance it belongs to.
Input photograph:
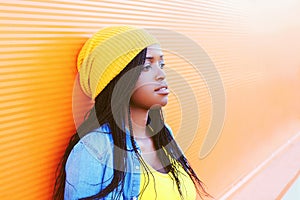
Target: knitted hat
(107, 53)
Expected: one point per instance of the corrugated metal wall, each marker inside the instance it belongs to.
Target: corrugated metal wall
(254, 45)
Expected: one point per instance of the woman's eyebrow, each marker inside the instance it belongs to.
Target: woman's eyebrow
(151, 57)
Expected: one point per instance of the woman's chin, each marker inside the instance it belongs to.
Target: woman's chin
(161, 104)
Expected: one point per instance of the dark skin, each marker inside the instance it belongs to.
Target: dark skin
(146, 96)
(150, 90)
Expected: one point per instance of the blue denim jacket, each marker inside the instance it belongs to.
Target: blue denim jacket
(89, 167)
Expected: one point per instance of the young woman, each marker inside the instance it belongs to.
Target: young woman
(124, 150)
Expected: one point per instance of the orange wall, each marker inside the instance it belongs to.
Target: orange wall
(253, 44)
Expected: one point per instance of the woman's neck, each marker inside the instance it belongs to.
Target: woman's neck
(139, 118)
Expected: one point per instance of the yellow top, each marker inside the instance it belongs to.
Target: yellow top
(165, 187)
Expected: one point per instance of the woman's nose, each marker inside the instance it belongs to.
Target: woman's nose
(161, 75)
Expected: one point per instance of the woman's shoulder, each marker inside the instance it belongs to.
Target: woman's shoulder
(87, 160)
(97, 143)
(100, 134)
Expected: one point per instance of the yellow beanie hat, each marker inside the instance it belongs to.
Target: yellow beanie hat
(107, 53)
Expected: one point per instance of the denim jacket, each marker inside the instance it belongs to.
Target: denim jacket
(89, 167)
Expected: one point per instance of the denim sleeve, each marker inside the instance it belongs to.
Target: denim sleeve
(84, 173)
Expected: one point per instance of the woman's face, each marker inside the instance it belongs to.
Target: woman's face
(151, 89)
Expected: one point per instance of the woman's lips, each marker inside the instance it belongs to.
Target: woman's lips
(162, 90)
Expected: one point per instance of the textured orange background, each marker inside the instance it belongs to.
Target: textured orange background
(255, 46)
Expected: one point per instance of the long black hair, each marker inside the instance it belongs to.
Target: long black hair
(104, 113)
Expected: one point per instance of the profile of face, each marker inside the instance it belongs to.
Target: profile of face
(151, 89)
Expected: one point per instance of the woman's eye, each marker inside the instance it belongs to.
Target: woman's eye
(162, 65)
(146, 67)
